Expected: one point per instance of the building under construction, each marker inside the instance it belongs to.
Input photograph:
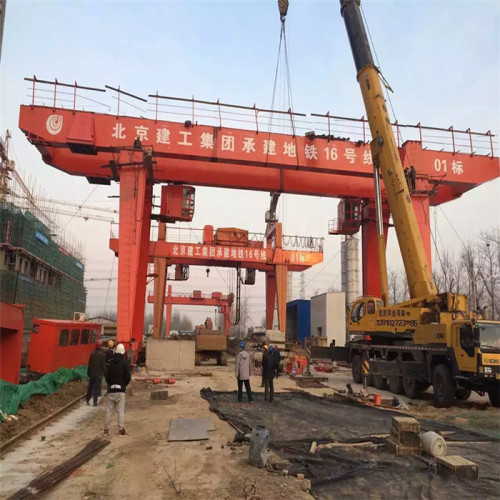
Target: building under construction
(37, 269)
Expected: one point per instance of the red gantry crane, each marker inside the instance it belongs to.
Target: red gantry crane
(222, 302)
(100, 147)
(237, 248)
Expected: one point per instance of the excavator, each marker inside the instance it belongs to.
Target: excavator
(433, 338)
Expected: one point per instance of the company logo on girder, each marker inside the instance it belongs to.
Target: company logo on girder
(54, 124)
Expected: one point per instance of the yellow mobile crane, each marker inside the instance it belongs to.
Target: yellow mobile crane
(432, 339)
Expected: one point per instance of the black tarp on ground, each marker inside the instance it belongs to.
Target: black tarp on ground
(295, 420)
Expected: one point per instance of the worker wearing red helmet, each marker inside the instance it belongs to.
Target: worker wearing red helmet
(96, 369)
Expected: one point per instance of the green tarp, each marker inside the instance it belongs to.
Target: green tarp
(12, 395)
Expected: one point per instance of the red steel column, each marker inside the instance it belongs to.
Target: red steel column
(133, 250)
(270, 298)
(369, 255)
(160, 266)
(226, 311)
(168, 308)
(281, 285)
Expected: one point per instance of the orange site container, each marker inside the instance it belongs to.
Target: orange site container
(58, 344)
(11, 341)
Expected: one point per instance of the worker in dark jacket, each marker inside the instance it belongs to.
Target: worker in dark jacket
(268, 372)
(277, 360)
(96, 370)
(413, 177)
(117, 377)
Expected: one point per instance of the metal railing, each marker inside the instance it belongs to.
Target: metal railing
(188, 235)
(218, 114)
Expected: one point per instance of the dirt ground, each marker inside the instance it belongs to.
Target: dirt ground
(139, 465)
(146, 465)
(41, 406)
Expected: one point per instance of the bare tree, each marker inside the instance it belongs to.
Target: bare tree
(489, 267)
(398, 286)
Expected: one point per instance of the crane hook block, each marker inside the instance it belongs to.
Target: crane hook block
(283, 7)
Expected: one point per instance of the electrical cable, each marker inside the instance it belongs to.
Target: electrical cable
(109, 284)
(79, 208)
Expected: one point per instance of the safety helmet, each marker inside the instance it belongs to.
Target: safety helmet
(110, 344)
(276, 347)
(266, 347)
(120, 349)
(242, 344)
(271, 348)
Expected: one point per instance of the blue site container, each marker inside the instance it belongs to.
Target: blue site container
(298, 320)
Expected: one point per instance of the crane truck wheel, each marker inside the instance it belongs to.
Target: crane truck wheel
(443, 387)
(494, 395)
(223, 359)
(412, 387)
(395, 384)
(197, 359)
(462, 394)
(357, 373)
(379, 382)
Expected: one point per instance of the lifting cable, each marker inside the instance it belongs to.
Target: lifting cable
(283, 10)
(109, 283)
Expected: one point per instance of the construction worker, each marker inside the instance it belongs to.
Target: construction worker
(96, 369)
(242, 373)
(413, 178)
(117, 377)
(110, 352)
(266, 347)
(268, 373)
(277, 360)
(407, 176)
(137, 143)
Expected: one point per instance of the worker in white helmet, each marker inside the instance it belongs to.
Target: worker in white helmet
(117, 377)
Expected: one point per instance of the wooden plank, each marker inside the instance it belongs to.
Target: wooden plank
(458, 466)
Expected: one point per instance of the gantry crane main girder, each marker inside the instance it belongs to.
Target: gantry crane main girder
(93, 144)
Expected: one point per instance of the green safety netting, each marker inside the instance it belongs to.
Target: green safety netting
(12, 395)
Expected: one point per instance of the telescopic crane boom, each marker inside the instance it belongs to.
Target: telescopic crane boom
(431, 339)
(386, 156)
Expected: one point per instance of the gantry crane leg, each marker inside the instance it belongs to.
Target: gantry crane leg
(133, 248)
(160, 269)
(281, 285)
(270, 298)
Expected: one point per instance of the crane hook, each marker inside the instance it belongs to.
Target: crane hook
(283, 7)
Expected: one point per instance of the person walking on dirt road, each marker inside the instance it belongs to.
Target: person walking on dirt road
(268, 372)
(117, 377)
(96, 369)
(242, 372)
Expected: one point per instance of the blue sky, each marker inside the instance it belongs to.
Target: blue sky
(440, 57)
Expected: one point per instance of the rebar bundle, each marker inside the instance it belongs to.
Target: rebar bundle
(49, 478)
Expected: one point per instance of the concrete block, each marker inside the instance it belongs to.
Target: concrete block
(169, 355)
(458, 466)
